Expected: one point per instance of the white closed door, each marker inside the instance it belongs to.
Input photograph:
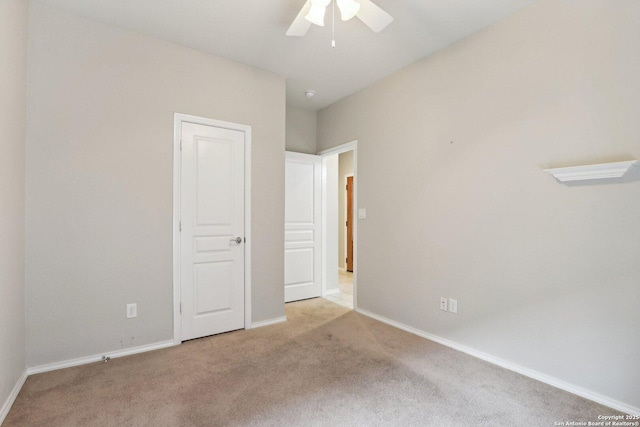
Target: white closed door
(302, 231)
(212, 230)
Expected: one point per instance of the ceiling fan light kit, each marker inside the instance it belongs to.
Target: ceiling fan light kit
(313, 11)
(348, 8)
(317, 12)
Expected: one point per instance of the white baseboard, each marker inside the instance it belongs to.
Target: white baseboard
(12, 396)
(582, 392)
(98, 357)
(331, 292)
(262, 323)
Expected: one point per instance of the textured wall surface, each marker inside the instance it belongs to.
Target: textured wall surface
(301, 130)
(450, 159)
(99, 180)
(13, 97)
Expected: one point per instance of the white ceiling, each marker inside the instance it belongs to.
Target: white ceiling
(253, 32)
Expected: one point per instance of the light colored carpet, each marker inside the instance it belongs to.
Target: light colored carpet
(326, 366)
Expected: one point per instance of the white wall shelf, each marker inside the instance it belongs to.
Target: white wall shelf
(599, 171)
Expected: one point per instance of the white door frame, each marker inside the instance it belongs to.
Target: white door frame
(178, 119)
(343, 148)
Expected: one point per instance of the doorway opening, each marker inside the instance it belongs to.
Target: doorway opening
(339, 185)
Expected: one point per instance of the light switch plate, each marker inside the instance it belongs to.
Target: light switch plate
(453, 305)
(132, 310)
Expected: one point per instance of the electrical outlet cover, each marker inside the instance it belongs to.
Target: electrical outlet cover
(443, 304)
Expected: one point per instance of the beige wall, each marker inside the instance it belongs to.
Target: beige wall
(450, 159)
(345, 167)
(99, 180)
(13, 95)
(301, 130)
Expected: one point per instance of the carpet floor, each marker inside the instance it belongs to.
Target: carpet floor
(326, 366)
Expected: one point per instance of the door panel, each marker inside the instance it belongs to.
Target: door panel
(302, 257)
(210, 296)
(299, 266)
(212, 206)
(214, 165)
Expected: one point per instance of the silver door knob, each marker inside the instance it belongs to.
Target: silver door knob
(237, 240)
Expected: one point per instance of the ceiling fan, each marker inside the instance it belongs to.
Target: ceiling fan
(313, 12)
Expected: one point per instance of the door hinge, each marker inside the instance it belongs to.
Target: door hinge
(346, 223)
(180, 307)
(245, 240)
(346, 260)
(180, 226)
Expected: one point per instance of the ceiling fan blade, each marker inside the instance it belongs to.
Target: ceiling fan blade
(300, 26)
(376, 18)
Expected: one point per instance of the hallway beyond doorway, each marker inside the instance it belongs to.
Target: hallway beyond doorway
(345, 296)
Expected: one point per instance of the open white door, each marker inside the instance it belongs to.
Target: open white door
(302, 230)
(212, 230)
